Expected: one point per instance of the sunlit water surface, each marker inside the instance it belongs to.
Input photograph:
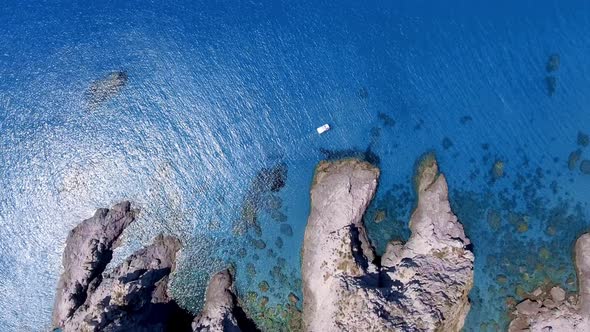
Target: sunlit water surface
(219, 93)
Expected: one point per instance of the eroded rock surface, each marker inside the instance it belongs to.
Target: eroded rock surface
(134, 295)
(131, 297)
(89, 248)
(552, 310)
(420, 286)
(220, 305)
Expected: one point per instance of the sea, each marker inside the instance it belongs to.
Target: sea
(204, 113)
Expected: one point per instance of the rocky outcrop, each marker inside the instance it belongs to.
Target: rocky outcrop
(552, 310)
(221, 313)
(219, 303)
(89, 248)
(419, 286)
(133, 296)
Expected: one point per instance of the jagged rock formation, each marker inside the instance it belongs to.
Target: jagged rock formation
(219, 303)
(552, 310)
(89, 248)
(420, 286)
(221, 313)
(132, 297)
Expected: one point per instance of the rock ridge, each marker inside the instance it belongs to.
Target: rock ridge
(420, 286)
(134, 295)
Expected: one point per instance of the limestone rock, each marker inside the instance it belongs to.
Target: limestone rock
(421, 286)
(558, 314)
(528, 307)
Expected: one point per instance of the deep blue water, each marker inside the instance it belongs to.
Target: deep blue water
(219, 91)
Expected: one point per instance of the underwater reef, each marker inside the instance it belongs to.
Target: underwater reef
(261, 197)
(100, 91)
(552, 67)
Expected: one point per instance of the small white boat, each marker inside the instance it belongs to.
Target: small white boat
(323, 128)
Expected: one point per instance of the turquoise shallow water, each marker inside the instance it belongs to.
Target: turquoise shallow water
(218, 92)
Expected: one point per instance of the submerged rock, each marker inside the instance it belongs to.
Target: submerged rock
(551, 83)
(387, 120)
(556, 313)
(263, 286)
(380, 215)
(553, 63)
(363, 93)
(102, 90)
(447, 143)
(573, 159)
(293, 298)
(279, 242)
(583, 139)
(465, 119)
(420, 286)
(261, 197)
(367, 155)
(286, 230)
(498, 169)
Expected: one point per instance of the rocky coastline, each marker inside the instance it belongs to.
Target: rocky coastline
(420, 285)
(134, 295)
(552, 309)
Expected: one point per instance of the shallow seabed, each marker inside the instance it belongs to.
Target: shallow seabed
(213, 135)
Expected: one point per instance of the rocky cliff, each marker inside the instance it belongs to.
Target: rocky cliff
(552, 310)
(420, 286)
(134, 295)
(221, 311)
(89, 248)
